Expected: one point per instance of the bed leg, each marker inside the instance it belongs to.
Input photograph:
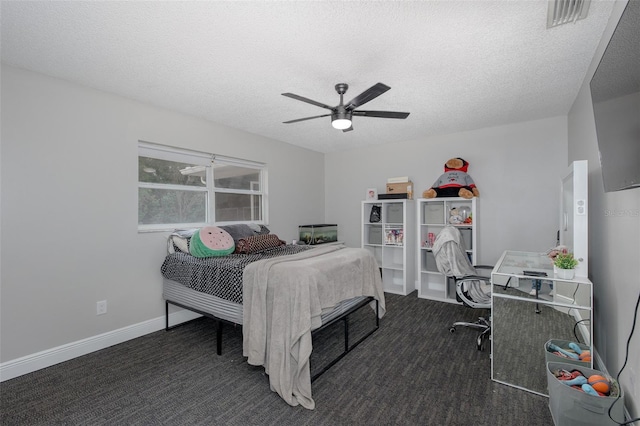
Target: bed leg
(219, 337)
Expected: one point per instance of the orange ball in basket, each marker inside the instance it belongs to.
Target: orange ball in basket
(599, 383)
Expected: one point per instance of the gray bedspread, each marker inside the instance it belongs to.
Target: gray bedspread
(283, 301)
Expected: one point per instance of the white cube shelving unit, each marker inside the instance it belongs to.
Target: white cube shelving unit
(432, 216)
(392, 242)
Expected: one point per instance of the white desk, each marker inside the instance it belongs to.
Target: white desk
(523, 323)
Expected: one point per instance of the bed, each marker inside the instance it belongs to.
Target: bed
(280, 295)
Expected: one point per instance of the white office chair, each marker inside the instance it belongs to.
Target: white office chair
(472, 288)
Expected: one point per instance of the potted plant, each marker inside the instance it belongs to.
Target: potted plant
(565, 265)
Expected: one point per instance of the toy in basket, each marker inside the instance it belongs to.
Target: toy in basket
(581, 396)
(594, 384)
(568, 352)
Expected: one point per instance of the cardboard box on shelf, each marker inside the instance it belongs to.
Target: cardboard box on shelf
(398, 179)
(401, 188)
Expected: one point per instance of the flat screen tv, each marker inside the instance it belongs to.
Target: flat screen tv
(615, 92)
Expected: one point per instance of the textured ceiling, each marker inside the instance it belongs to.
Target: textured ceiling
(454, 65)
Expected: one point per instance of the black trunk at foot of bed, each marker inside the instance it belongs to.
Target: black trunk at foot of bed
(343, 317)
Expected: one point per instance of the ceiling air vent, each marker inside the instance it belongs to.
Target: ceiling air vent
(565, 11)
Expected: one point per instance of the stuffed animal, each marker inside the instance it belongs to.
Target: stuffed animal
(454, 182)
(454, 217)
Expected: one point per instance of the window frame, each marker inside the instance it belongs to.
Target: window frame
(207, 160)
(232, 161)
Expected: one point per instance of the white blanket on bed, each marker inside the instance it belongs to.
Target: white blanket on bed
(283, 300)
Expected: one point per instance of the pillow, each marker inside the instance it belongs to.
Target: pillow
(211, 241)
(258, 243)
(259, 229)
(242, 230)
(239, 231)
(179, 243)
(179, 240)
(254, 227)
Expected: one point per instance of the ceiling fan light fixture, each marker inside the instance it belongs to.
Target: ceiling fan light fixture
(341, 123)
(341, 120)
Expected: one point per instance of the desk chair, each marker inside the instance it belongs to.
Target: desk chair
(472, 288)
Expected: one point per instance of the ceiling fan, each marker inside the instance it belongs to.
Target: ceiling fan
(341, 114)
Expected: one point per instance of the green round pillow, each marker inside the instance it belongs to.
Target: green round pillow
(211, 241)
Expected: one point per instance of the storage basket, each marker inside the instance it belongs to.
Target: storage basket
(572, 407)
(564, 344)
(434, 212)
(375, 235)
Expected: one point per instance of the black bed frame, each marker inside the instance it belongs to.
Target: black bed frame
(343, 317)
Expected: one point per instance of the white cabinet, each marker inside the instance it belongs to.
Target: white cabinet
(392, 242)
(433, 214)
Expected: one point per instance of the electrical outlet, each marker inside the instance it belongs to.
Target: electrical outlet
(101, 307)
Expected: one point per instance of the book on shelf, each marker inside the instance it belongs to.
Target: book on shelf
(399, 179)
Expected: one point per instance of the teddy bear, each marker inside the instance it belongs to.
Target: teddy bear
(454, 217)
(454, 182)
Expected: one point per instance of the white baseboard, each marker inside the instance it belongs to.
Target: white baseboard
(30, 363)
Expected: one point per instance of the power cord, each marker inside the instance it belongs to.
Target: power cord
(575, 326)
(573, 301)
(626, 358)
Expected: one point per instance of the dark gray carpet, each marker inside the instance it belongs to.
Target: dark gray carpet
(519, 332)
(411, 371)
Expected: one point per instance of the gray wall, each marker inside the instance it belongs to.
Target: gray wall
(69, 206)
(614, 244)
(517, 169)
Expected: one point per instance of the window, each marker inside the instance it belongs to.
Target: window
(179, 188)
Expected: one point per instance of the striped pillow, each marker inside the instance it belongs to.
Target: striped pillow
(258, 243)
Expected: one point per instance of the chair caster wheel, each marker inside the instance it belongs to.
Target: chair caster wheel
(452, 330)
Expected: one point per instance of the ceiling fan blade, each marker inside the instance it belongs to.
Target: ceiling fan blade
(306, 118)
(368, 95)
(381, 114)
(307, 100)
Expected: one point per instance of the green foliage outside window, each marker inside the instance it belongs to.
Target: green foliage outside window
(163, 205)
